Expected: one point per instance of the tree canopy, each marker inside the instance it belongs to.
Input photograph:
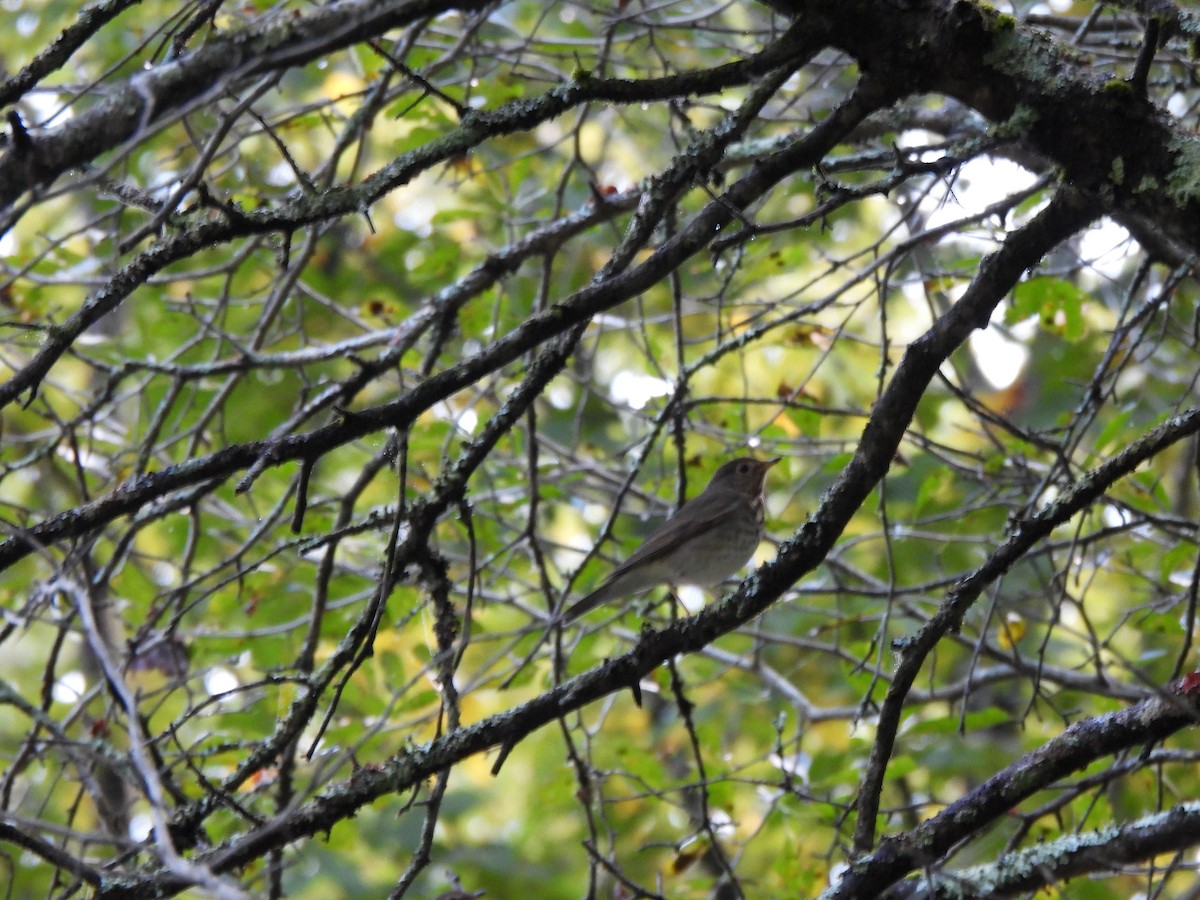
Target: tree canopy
(345, 344)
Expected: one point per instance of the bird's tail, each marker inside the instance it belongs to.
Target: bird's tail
(602, 594)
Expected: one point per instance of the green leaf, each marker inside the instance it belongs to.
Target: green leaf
(1056, 302)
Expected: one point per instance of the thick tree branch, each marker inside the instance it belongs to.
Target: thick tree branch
(90, 20)
(1117, 146)
(1079, 746)
(50, 853)
(174, 86)
(1055, 862)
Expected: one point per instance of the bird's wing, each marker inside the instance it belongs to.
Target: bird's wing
(703, 512)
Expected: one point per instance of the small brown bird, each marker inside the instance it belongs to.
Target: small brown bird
(711, 536)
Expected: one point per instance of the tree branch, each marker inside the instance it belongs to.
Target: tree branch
(1084, 742)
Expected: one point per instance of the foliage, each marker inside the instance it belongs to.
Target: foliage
(343, 344)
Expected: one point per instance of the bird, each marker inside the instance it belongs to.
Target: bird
(708, 539)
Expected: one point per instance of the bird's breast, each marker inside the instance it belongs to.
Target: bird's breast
(720, 552)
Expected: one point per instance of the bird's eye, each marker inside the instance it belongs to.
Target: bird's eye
(744, 468)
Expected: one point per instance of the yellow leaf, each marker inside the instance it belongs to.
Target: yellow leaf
(1012, 630)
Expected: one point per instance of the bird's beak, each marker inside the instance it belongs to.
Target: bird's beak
(771, 462)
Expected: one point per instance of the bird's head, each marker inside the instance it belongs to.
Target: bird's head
(746, 475)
